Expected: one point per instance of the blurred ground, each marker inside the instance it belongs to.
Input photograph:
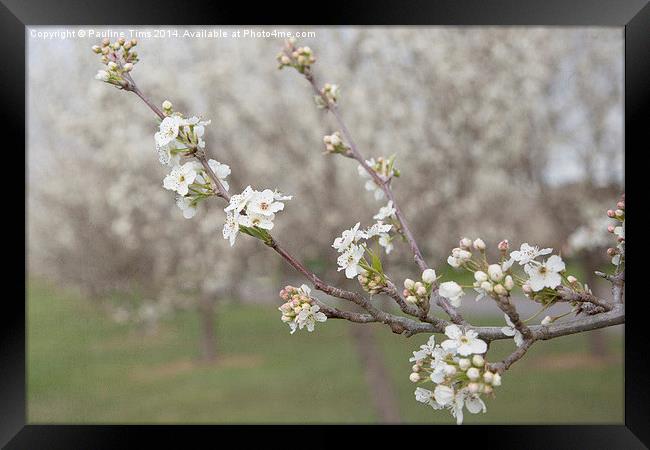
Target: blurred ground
(84, 368)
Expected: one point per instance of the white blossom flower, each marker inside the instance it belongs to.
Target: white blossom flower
(444, 395)
(231, 227)
(510, 330)
(238, 202)
(386, 241)
(545, 274)
(494, 272)
(257, 220)
(620, 231)
(463, 343)
(187, 206)
(370, 184)
(429, 276)
(458, 257)
(221, 171)
(102, 75)
(309, 316)
(527, 253)
(348, 237)
(377, 229)
(180, 178)
(263, 203)
(168, 130)
(349, 260)
(452, 291)
(425, 350)
(385, 211)
(426, 396)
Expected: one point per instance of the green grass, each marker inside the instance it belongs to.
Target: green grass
(84, 368)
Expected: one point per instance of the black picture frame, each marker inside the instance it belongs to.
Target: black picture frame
(631, 15)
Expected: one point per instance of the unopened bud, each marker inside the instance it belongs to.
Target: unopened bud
(619, 213)
(465, 243)
(547, 320)
(449, 370)
(526, 288)
(128, 67)
(473, 387)
(571, 279)
(414, 377)
(480, 276)
(416, 368)
(488, 377)
(112, 65)
(503, 246)
(479, 244)
(167, 105)
(473, 374)
(509, 283)
(612, 251)
(610, 228)
(487, 389)
(408, 284)
(411, 299)
(106, 42)
(496, 380)
(487, 286)
(429, 276)
(478, 361)
(495, 272)
(500, 290)
(611, 213)
(134, 42)
(97, 49)
(422, 291)
(620, 205)
(121, 41)
(464, 363)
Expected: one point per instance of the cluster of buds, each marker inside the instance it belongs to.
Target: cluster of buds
(334, 144)
(463, 253)
(493, 282)
(300, 58)
(371, 281)
(458, 370)
(119, 58)
(418, 292)
(299, 310)
(328, 96)
(618, 229)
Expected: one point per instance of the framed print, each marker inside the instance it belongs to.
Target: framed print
(413, 215)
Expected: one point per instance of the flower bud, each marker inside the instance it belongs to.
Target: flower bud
(121, 41)
(503, 246)
(496, 380)
(421, 291)
(414, 377)
(619, 213)
(473, 387)
(464, 363)
(547, 320)
(509, 283)
(478, 361)
(571, 279)
(97, 49)
(465, 243)
(127, 45)
(612, 251)
(417, 285)
(479, 244)
(500, 290)
(473, 374)
(610, 213)
(134, 42)
(488, 377)
(495, 272)
(167, 105)
(429, 276)
(112, 65)
(128, 67)
(416, 368)
(487, 389)
(620, 205)
(409, 284)
(411, 299)
(480, 276)
(610, 228)
(105, 42)
(526, 288)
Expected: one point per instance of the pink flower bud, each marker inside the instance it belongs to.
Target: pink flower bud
(612, 251)
(610, 229)
(611, 213)
(504, 245)
(620, 205)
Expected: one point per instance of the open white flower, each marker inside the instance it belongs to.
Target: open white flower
(386, 241)
(426, 396)
(349, 260)
(458, 257)
(348, 237)
(231, 227)
(377, 229)
(221, 171)
(444, 395)
(257, 220)
(472, 402)
(510, 330)
(309, 316)
(168, 130)
(187, 206)
(425, 350)
(545, 274)
(263, 203)
(385, 211)
(527, 253)
(239, 201)
(452, 291)
(181, 177)
(464, 343)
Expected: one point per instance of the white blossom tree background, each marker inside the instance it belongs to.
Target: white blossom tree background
(498, 133)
